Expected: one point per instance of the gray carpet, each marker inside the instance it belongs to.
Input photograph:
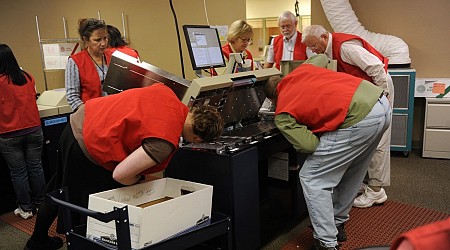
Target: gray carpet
(414, 180)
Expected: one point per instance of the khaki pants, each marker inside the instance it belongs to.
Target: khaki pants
(379, 171)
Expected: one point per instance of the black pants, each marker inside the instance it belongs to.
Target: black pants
(81, 177)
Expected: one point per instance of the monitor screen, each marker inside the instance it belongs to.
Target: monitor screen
(204, 46)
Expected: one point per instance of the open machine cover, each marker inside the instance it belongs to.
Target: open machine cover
(239, 98)
(125, 72)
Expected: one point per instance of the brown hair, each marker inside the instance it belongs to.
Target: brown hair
(207, 123)
(270, 87)
(86, 26)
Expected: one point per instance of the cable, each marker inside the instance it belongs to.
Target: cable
(178, 36)
(206, 12)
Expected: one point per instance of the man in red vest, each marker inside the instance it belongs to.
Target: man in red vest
(114, 140)
(357, 57)
(288, 46)
(339, 120)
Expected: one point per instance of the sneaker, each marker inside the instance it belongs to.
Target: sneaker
(342, 235)
(370, 197)
(23, 214)
(51, 243)
(362, 188)
(319, 246)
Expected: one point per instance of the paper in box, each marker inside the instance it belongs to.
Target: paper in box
(157, 210)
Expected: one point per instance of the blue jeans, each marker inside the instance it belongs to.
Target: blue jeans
(23, 156)
(331, 176)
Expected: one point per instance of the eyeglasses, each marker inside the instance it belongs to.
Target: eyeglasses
(314, 46)
(248, 40)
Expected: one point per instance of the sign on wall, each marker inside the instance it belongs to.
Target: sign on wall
(432, 87)
(56, 54)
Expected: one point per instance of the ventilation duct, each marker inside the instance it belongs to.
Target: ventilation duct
(343, 19)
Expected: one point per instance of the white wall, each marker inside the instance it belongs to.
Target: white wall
(273, 8)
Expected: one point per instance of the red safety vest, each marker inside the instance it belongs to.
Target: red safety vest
(226, 50)
(18, 105)
(434, 236)
(90, 83)
(338, 39)
(299, 49)
(316, 97)
(126, 50)
(115, 125)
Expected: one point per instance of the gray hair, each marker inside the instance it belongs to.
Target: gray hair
(313, 30)
(287, 15)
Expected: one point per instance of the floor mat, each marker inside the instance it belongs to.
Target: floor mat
(375, 226)
(27, 226)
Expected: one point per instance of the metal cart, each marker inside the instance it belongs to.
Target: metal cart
(215, 235)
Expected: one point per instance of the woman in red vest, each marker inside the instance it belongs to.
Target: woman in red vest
(239, 36)
(112, 141)
(116, 42)
(86, 70)
(21, 137)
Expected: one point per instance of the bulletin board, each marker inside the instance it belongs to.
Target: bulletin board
(55, 55)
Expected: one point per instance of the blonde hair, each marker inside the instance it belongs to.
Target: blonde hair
(237, 29)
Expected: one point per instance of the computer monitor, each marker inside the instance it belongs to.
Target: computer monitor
(204, 46)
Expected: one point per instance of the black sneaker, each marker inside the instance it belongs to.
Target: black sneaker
(319, 246)
(342, 235)
(51, 243)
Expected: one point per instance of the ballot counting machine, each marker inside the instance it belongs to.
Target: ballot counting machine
(235, 164)
(238, 97)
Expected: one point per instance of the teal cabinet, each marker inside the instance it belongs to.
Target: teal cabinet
(402, 117)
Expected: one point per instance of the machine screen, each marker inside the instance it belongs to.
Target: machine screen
(204, 46)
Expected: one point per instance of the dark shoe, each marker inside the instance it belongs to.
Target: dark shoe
(319, 246)
(341, 236)
(51, 243)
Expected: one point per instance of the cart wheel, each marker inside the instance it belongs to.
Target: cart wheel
(405, 153)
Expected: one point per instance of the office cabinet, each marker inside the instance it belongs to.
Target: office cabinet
(402, 117)
(436, 134)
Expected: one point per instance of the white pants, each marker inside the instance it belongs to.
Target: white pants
(379, 171)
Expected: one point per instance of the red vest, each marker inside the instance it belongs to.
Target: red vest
(226, 50)
(434, 236)
(90, 84)
(115, 125)
(126, 50)
(318, 98)
(18, 109)
(338, 39)
(299, 49)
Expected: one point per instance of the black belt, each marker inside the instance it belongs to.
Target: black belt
(383, 94)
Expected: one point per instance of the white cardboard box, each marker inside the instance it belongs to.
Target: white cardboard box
(173, 213)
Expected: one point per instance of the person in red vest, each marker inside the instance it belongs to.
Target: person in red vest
(239, 36)
(86, 70)
(338, 119)
(114, 140)
(287, 46)
(434, 236)
(116, 42)
(357, 57)
(21, 136)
